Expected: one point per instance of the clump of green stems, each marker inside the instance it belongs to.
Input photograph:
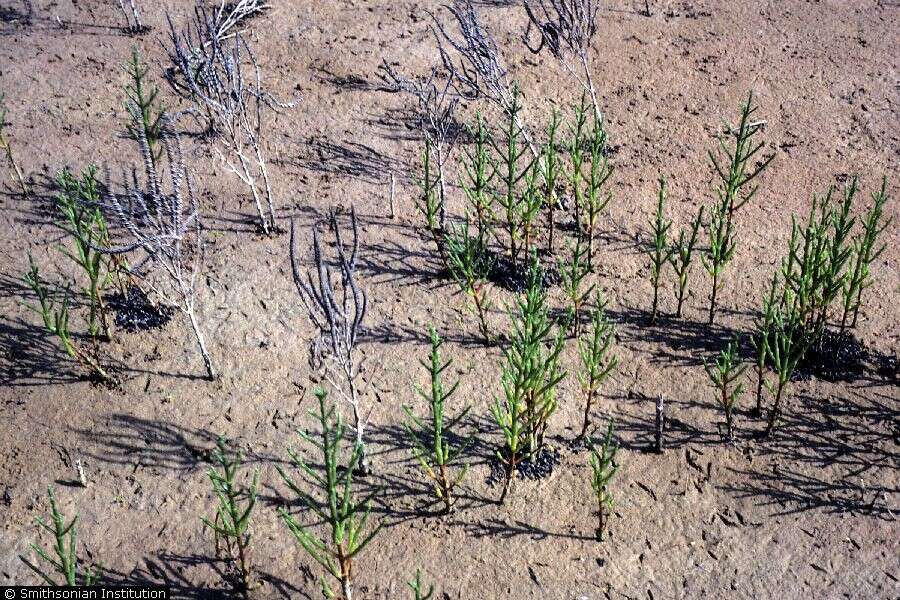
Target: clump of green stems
(762, 336)
(470, 267)
(511, 170)
(430, 204)
(597, 363)
(479, 175)
(551, 171)
(6, 148)
(603, 468)
(865, 252)
(146, 112)
(56, 322)
(722, 245)
(661, 251)
(734, 170)
(786, 349)
(345, 518)
(531, 204)
(418, 588)
(530, 376)
(813, 269)
(723, 373)
(231, 524)
(574, 271)
(820, 265)
(824, 263)
(434, 452)
(65, 561)
(78, 203)
(577, 132)
(595, 198)
(682, 255)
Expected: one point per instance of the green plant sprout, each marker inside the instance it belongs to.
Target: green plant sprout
(723, 374)
(721, 250)
(429, 203)
(682, 255)
(470, 267)
(531, 204)
(603, 468)
(734, 169)
(577, 132)
(65, 562)
(530, 376)
(345, 518)
(595, 199)
(78, 203)
(660, 252)
(574, 271)
(785, 350)
(839, 252)
(865, 252)
(477, 183)
(418, 587)
(231, 525)
(509, 167)
(762, 336)
(6, 147)
(551, 169)
(430, 445)
(805, 268)
(147, 114)
(56, 322)
(596, 361)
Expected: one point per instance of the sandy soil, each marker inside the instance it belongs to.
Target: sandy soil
(811, 513)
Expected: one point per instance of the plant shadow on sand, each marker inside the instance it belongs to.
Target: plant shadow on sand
(173, 571)
(153, 444)
(825, 455)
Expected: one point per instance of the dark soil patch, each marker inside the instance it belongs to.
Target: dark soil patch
(515, 278)
(539, 466)
(833, 357)
(135, 312)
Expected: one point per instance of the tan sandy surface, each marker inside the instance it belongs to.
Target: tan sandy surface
(811, 513)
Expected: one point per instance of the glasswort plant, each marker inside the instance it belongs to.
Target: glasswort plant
(660, 252)
(723, 374)
(431, 447)
(231, 524)
(511, 171)
(603, 468)
(574, 271)
(596, 362)
(147, 114)
(65, 562)
(530, 376)
(56, 322)
(418, 588)
(785, 351)
(79, 204)
(469, 267)
(345, 518)
(734, 171)
(6, 147)
(682, 256)
(865, 252)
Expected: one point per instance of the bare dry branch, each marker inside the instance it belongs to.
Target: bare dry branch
(337, 314)
(566, 28)
(166, 227)
(211, 73)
